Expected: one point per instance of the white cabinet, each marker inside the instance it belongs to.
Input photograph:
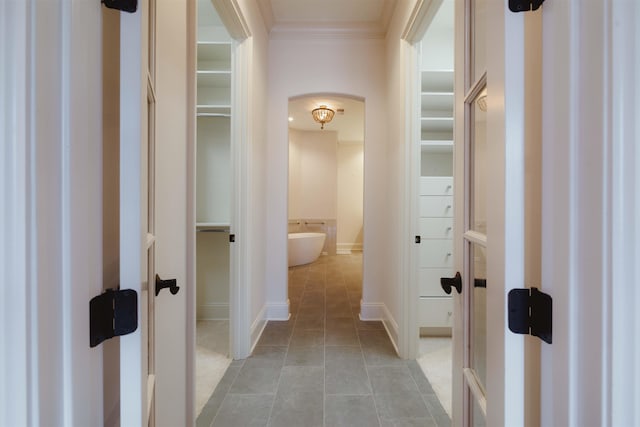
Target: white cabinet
(436, 250)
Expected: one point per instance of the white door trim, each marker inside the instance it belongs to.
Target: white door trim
(50, 220)
(415, 28)
(590, 212)
(625, 269)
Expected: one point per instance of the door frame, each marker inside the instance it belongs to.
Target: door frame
(240, 273)
(51, 187)
(590, 240)
(415, 29)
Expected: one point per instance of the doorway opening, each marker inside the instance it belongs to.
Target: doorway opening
(435, 200)
(214, 182)
(326, 187)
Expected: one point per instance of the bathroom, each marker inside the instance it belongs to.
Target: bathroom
(325, 177)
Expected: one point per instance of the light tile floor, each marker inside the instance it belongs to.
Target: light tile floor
(324, 367)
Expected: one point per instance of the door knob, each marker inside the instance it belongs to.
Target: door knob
(451, 282)
(172, 284)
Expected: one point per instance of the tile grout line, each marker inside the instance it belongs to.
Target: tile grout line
(286, 353)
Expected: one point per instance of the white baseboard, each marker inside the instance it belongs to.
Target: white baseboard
(348, 248)
(257, 328)
(213, 311)
(379, 311)
(277, 311)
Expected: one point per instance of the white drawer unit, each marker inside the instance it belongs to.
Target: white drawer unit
(430, 281)
(436, 228)
(436, 186)
(436, 206)
(436, 312)
(436, 250)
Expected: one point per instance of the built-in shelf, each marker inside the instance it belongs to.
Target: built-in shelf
(218, 226)
(437, 81)
(436, 146)
(214, 56)
(436, 110)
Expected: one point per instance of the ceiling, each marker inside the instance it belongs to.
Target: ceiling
(327, 17)
(349, 126)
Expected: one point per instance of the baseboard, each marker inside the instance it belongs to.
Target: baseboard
(277, 311)
(348, 248)
(379, 311)
(213, 311)
(257, 328)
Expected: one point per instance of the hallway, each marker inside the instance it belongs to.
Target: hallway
(324, 367)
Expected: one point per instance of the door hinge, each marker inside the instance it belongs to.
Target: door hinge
(524, 5)
(112, 314)
(530, 312)
(232, 238)
(418, 239)
(124, 5)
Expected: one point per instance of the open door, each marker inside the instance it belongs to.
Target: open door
(137, 239)
(153, 212)
(488, 363)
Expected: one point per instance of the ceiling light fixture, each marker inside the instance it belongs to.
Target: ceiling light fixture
(322, 115)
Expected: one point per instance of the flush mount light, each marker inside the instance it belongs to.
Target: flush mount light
(322, 115)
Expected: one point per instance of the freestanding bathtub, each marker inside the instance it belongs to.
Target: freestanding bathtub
(304, 248)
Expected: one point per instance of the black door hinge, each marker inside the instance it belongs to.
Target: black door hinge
(524, 5)
(112, 314)
(124, 5)
(232, 238)
(530, 312)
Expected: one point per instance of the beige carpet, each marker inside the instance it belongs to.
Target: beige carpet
(212, 357)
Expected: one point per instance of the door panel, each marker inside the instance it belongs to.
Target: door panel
(489, 223)
(137, 213)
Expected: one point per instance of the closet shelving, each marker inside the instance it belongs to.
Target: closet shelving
(436, 197)
(436, 110)
(214, 79)
(213, 129)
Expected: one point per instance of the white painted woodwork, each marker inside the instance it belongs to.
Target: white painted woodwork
(51, 211)
(172, 407)
(133, 211)
(625, 182)
(590, 213)
(505, 210)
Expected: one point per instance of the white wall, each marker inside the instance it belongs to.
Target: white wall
(345, 66)
(313, 174)
(350, 196)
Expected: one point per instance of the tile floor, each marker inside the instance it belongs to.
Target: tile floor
(324, 367)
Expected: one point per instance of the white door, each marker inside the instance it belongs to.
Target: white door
(488, 359)
(137, 213)
(153, 212)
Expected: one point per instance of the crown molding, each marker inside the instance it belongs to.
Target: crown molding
(266, 10)
(323, 30)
